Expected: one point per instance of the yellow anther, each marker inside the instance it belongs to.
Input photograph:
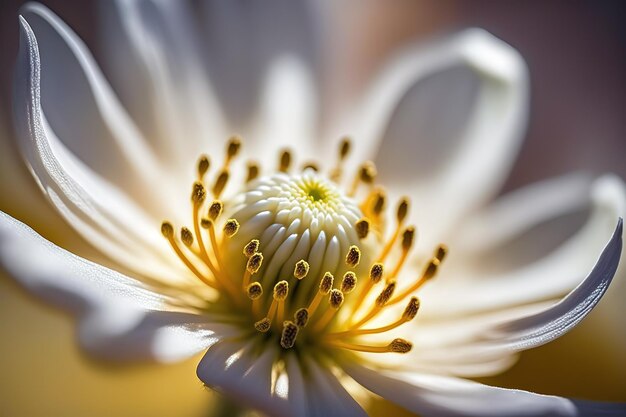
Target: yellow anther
(326, 284)
(263, 325)
(378, 205)
(403, 209)
(362, 228)
(253, 171)
(220, 183)
(231, 227)
(301, 269)
(186, 236)
(411, 309)
(336, 298)
(431, 269)
(441, 252)
(254, 263)
(288, 335)
(348, 283)
(198, 193)
(400, 346)
(310, 165)
(215, 210)
(203, 165)
(251, 248)
(281, 290)
(301, 317)
(367, 172)
(407, 238)
(206, 223)
(254, 290)
(386, 294)
(353, 257)
(167, 229)
(233, 147)
(285, 161)
(376, 272)
(344, 148)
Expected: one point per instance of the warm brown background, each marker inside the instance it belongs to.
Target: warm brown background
(576, 52)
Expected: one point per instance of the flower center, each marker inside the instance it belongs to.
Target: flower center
(299, 260)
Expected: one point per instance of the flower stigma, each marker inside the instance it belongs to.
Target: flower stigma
(301, 260)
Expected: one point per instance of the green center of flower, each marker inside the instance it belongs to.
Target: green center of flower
(299, 260)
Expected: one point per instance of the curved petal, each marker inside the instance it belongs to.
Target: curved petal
(484, 344)
(279, 387)
(91, 123)
(444, 123)
(471, 285)
(95, 207)
(154, 62)
(120, 319)
(431, 395)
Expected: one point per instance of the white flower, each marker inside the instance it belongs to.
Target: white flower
(298, 280)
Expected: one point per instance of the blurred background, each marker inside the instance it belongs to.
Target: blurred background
(576, 52)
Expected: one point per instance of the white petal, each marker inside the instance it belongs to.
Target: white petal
(444, 124)
(482, 345)
(79, 105)
(431, 395)
(96, 208)
(545, 326)
(245, 45)
(155, 65)
(120, 319)
(251, 375)
(470, 287)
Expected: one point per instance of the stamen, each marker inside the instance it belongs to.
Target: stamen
(203, 166)
(310, 165)
(289, 334)
(285, 161)
(168, 232)
(401, 212)
(281, 290)
(409, 314)
(396, 346)
(375, 275)
(215, 209)
(263, 325)
(252, 267)
(335, 300)
(301, 269)
(344, 149)
(348, 283)
(251, 248)
(407, 242)
(198, 193)
(253, 171)
(301, 317)
(232, 149)
(220, 183)
(254, 291)
(326, 284)
(382, 299)
(379, 202)
(441, 252)
(186, 236)
(362, 228)
(366, 175)
(353, 257)
(429, 272)
(231, 227)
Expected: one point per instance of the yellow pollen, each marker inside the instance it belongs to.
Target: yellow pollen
(289, 334)
(254, 291)
(253, 171)
(220, 183)
(251, 248)
(215, 210)
(186, 236)
(203, 166)
(301, 317)
(301, 269)
(231, 227)
(284, 161)
(198, 193)
(263, 325)
(362, 228)
(353, 257)
(348, 283)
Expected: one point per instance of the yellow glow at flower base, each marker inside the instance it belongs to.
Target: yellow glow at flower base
(294, 258)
